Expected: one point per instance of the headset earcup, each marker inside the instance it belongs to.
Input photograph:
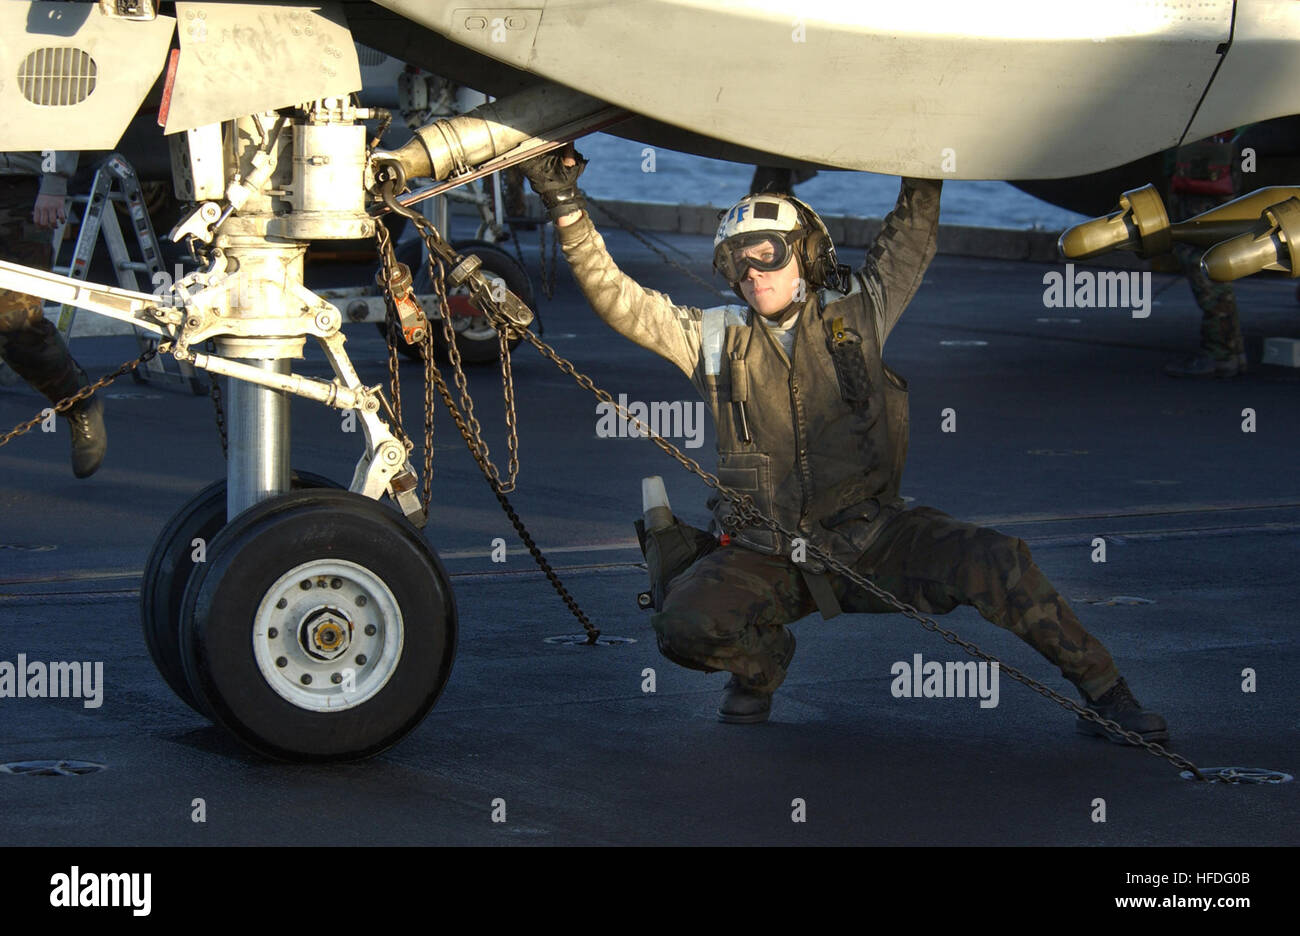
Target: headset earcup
(818, 251)
(813, 245)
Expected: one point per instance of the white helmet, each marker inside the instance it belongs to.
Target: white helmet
(789, 226)
(757, 213)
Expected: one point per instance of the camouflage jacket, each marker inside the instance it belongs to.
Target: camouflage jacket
(817, 438)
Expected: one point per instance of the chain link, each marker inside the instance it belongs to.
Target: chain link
(387, 261)
(472, 432)
(466, 423)
(219, 412)
(430, 368)
(549, 292)
(84, 393)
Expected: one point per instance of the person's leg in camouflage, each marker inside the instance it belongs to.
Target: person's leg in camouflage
(729, 611)
(32, 347)
(932, 561)
(1223, 351)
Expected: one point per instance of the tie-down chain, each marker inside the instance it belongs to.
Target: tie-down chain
(406, 320)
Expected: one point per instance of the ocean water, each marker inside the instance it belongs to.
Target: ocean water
(616, 171)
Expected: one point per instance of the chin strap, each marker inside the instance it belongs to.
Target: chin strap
(787, 315)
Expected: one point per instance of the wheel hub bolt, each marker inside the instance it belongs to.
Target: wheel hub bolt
(361, 601)
(306, 679)
(281, 662)
(282, 604)
(272, 632)
(336, 583)
(336, 678)
(361, 659)
(370, 630)
(305, 585)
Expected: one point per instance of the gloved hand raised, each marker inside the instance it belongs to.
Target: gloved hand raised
(554, 177)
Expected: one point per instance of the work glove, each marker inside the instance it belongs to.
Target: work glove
(556, 183)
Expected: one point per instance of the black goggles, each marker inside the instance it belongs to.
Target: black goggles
(763, 250)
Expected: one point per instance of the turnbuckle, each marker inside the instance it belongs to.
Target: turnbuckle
(397, 283)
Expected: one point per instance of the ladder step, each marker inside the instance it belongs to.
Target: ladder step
(111, 195)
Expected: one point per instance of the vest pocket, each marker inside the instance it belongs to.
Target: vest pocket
(746, 473)
(718, 395)
(851, 367)
(749, 473)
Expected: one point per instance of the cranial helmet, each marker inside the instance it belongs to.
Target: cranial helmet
(763, 230)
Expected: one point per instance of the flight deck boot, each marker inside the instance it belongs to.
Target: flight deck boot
(85, 424)
(39, 355)
(743, 705)
(1205, 365)
(89, 437)
(1117, 704)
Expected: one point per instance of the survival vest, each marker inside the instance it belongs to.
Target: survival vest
(817, 440)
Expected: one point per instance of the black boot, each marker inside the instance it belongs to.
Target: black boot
(742, 705)
(38, 354)
(89, 437)
(1204, 365)
(1117, 704)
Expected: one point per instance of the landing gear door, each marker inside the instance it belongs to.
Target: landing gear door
(246, 58)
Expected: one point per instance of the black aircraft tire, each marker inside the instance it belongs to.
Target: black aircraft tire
(168, 570)
(249, 626)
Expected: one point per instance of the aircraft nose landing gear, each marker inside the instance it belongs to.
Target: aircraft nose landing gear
(321, 628)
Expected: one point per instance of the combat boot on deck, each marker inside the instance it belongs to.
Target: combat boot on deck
(1118, 704)
(39, 355)
(742, 705)
(89, 436)
(1204, 365)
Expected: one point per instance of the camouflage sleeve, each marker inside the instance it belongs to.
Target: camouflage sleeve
(649, 318)
(903, 249)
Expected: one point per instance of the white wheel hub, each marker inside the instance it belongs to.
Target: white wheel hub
(328, 635)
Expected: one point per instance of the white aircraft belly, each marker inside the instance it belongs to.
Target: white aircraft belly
(941, 88)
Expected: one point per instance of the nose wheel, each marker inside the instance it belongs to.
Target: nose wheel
(321, 628)
(181, 546)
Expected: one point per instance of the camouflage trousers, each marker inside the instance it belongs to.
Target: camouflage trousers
(728, 611)
(1220, 325)
(28, 342)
